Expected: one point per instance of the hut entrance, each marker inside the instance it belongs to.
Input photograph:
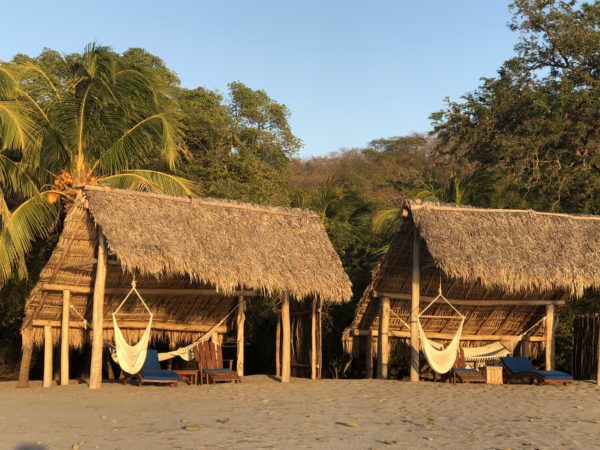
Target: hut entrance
(305, 318)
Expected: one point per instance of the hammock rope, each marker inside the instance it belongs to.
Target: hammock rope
(186, 353)
(131, 357)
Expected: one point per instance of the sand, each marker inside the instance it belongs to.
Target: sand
(262, 413)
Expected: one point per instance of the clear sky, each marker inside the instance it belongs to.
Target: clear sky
(350, 71)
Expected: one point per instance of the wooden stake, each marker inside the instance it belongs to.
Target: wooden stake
(369, 357)
(241, 317)
(383, 340)
(278, 346)
(287, 344)
(98, 315)
(550, 337)
(313, 340)
(415, 344)
(47, 357)
(64, 339)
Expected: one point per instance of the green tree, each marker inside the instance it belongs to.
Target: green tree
(536, 126)
(71, 121)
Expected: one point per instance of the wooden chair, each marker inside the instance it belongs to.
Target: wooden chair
(210, 361)
(463, 374)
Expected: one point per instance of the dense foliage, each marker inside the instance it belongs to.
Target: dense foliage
(528, 138)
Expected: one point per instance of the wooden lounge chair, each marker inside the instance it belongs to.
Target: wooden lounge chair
(463, 374)
(151, 373)
(520, 368)
(210, 361)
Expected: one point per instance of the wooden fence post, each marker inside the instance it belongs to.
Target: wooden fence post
(64, 339)
(550, 353)
(383, 340)
(286, 334)
(415, 344)
(241, 318)
(48, 348)
(98, 315)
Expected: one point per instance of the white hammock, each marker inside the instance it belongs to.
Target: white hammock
(131, 357)
(441, 359)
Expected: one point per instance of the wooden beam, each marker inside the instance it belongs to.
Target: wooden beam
(313, 339)
(466, 302)
(287, 345)
(64, 339)
(415, 344)
(136, 325)
(550, 353)
(98, 315)
(403, 334)
(240, 319)
(47, 357)
(57, 287)
(383, 342)
(369, 356)
(525, 350)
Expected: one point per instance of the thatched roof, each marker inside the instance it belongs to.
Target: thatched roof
(513, 250)
(220, 243)
(500, 265)
(210, 251)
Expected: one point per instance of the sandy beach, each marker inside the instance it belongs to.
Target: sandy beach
(262, 413)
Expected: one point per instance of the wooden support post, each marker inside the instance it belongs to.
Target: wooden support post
(241, 317)
(47, 356)
(98, 315)
(287, 345)
(525, 347)
(27, 353)
(369, 357)
(278, 346)
(313, 340)
(550, 337)
(415, 344)
(214, 338)
(64, 339)
(383, 341)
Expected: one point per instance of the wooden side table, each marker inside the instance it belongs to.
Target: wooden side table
(493, 375)
(190, 376)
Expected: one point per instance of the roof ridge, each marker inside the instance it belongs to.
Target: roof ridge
(208, 201)
(413, 205)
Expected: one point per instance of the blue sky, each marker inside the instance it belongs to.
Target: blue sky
(350, 71)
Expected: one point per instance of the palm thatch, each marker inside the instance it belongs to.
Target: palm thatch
(191, 259)
(500, 267)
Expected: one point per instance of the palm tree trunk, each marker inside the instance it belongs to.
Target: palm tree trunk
(25, 365)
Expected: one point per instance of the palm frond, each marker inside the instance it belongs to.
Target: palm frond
(387, 220)
(17, 129)
(33, 219)
(151, 181)
(138, 144)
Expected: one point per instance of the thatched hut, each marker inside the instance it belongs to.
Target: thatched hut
(193, 259)
(503, 269)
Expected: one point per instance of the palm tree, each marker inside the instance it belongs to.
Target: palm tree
(473, 190)
(89, 120)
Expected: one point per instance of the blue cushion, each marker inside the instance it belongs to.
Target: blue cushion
(555, 374)
(518, 364)
(158, 375)
(151, 362)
